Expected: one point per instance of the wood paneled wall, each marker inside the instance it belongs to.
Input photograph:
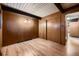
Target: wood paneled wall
(42, 29)
(17, 28)
(0, 38)
(58, 18)
(62, 29)
(74, 29)
(55, 28)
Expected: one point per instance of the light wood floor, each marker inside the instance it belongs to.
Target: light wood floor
(72, 46)
(35, 47)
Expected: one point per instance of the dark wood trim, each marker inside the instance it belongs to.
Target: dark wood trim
(73, 7)
(0, 53)
(7, 8)
(46, 29)
(58, 5)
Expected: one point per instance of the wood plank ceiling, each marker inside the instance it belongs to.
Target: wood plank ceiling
(41, 9)
(38, 9)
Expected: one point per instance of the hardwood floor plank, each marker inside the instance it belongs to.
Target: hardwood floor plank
(35, 47)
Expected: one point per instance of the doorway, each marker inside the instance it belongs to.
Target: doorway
(72, 33)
